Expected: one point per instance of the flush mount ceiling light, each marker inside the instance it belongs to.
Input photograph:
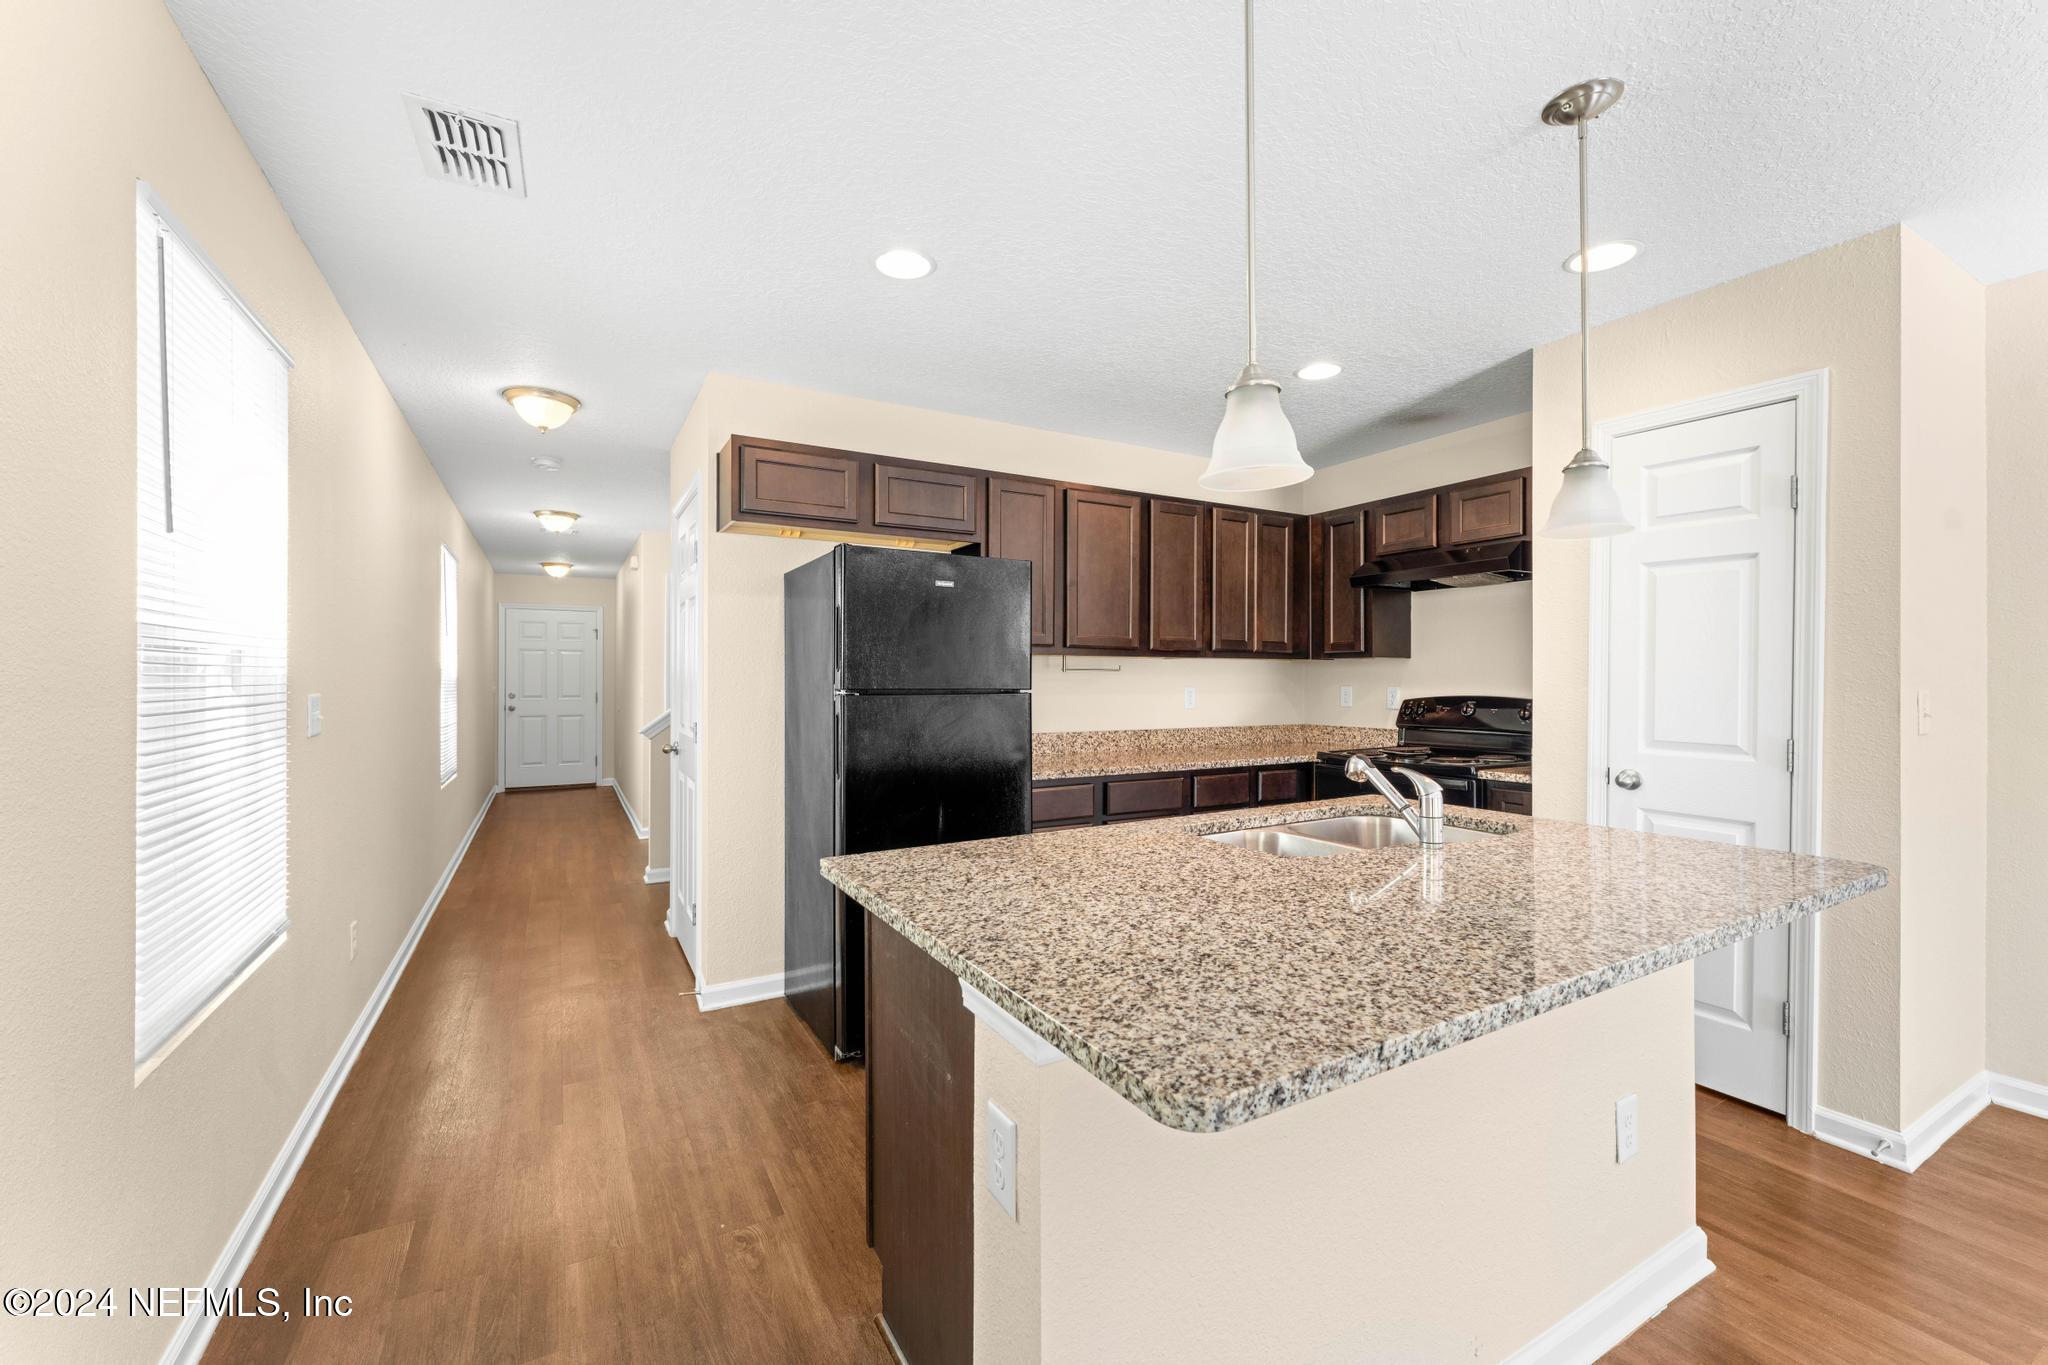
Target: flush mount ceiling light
(904, 264)
(1319, 369)
(1255, 446)
(541, 409)
(561, 523)
(555, 568)
(1587, 504)
(1606, 255)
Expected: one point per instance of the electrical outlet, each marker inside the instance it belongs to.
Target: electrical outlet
(312, 714)
(1625, 1135)
(1187, 698)
(1002, 1158)
(351, 940)
(1393, 698)
(1343, 696)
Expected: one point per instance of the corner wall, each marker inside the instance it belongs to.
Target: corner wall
(638, 608)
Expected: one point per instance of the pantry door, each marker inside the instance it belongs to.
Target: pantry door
(551, 680)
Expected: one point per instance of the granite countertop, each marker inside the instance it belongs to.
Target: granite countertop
(1520, 775)
(1101, 753)
(1211, 985)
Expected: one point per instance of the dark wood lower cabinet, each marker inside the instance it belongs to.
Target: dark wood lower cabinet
(1516, 798)
(1059, 802)
(921, 1185)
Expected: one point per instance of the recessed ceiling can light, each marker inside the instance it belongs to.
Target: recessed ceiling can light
(904, 264)
(555, 568)
(561, 523)
(1606, 255)
(1319, 369)
(541, 409)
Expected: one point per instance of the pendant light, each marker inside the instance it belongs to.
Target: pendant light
(1255, 446)
(1587, 504)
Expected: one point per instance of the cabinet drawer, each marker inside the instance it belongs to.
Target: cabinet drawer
(1514, 799)
(1479, 512)
(1068, 801)
(815, 485)
(1145, 796)
(927, 499)
(1401, 525)
(1283, 784)
(1222, 789)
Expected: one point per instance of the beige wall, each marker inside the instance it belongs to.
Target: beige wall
(2017, 948)
(577, 590)
(642, 769)
(1473, 640)
(104, 1181)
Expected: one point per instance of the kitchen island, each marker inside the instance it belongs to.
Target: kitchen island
(1347, 1107)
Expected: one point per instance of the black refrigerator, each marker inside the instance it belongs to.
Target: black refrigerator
(906, 721)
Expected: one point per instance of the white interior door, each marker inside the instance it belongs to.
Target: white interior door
(552, 667)
(1700, 692)
(685, 711)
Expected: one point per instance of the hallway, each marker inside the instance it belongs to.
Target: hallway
(545, 1152)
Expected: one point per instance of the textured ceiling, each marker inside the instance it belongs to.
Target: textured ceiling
(708, 184)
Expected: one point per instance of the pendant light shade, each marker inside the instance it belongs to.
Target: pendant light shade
(1587, 503)
(1255, 446)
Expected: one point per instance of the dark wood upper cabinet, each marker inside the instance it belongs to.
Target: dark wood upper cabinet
(798, 481)
(1176, 542)
(1233, 548)
(1105, 554)
(1490, 509)
(917, 499)
(1024, 523)
(1338, 548)
(1276, 627)
(1400, 525)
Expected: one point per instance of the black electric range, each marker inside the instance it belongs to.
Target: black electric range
(1452, 739)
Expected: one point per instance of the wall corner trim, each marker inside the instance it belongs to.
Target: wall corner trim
(1599, 1324)
(188, 1343)
(2026, 1097)
(654, 876)
(1009, 1028)
(632, 817)
(1922, 1138)
(747, 990)
(654, 727)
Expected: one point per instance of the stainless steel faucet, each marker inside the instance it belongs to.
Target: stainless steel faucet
(1425, 815)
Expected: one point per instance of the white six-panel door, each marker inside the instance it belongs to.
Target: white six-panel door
(1700, 692)
(552, 666)
(685, 710)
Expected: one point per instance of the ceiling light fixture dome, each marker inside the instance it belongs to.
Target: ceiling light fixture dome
(1606, 255)
(1255, 446)
(555, 568)
(1587, 504)
(1317, 370)
(541, 409)
(561, 523)
(904, 264)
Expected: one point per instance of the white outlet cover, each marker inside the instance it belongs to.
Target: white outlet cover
(1344, 696)
(1002, 1158)
(1187, 698)
(312, 714)
(1393, 698)
(1626, 1135)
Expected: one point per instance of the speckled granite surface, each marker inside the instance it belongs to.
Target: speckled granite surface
(1099, 753)
(1520, 775)
(1210, 985)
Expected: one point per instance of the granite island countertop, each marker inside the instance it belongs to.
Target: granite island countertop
(1211, 985)
(1059, 754)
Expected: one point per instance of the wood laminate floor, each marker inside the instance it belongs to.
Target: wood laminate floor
(545, 1153)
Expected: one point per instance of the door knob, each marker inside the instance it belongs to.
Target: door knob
(1628, 779)
(668, 748)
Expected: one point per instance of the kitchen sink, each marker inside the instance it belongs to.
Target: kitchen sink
(1336, 834)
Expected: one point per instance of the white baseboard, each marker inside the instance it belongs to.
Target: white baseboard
(1595, 1327)
(724, 995)
(655, 876)
(188, 1343)
(1924, 1136)
(632, 817)
(2010, 1092)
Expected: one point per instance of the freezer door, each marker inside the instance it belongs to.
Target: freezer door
(913, 621)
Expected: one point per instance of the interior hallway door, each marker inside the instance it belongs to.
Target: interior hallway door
(551, 673)
(1700, 693)
(685, 692)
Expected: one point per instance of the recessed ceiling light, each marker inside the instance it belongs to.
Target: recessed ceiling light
(1319, 369)
(541, 409)
(1606, 255)
(561, 523)
(904, 264)
(555, 568)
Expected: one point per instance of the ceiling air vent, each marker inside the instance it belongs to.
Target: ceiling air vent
(467, 147)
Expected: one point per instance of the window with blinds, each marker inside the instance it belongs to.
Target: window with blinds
(211, 497)
(451, 611)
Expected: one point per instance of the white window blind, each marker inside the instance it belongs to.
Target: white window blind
(451, 612)
(211, 497)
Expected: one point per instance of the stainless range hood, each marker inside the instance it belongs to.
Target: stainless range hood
(1463, 566)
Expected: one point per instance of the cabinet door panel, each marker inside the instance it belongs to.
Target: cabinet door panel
(1401, 525)
(927, 499)
(1126, 796)
(1024, 523)
(1215, 790)
(1274, 585)
(1069, 801)
(1341, 615)
(1176, 591)
(1494, 510)
(1232, 549)
(816, 485)
(1105, 568)
(1283, 784)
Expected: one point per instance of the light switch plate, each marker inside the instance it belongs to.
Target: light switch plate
(1343, 696)
(1625, 1135)
(1002, 1158)
(1393, 698)
(312, 714)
